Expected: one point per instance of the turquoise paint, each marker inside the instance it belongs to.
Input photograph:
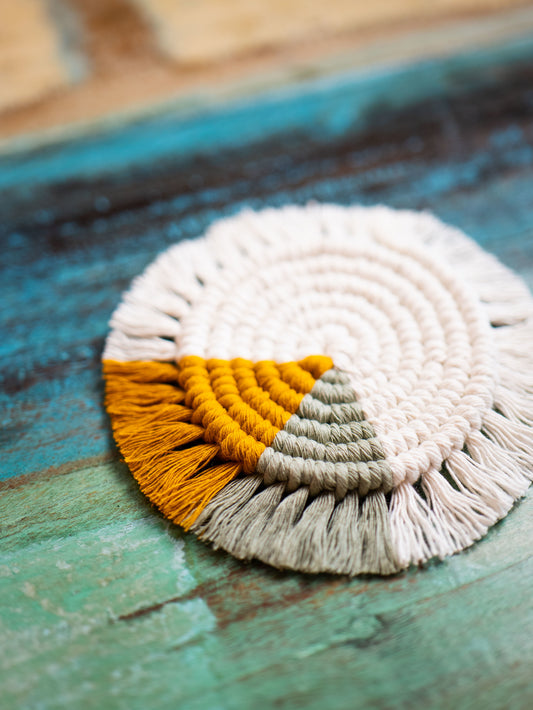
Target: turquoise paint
(163, 621)
(323, 108)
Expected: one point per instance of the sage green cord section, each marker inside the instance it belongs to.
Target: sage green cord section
(318, 502)
(298, 531)
(327, 445)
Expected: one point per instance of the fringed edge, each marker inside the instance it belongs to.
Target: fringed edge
(164, 450)
(456, 506)
(293, 530)
(450, 509)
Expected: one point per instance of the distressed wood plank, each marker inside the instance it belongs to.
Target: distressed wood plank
(207, 31)
(124, 56)
(31, 61)
(123, 608)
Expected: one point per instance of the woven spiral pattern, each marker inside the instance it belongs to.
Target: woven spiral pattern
(327, 444)
(242, 405)
(340, 352)
(411, 336)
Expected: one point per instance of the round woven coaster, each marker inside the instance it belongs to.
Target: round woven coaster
(326, 389)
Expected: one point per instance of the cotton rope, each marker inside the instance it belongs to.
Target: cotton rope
(327, 389)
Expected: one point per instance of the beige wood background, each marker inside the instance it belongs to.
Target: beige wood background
(69, 62)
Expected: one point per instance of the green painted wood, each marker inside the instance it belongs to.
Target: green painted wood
(106, 605)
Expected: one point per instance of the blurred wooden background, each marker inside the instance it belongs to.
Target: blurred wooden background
(66, 62)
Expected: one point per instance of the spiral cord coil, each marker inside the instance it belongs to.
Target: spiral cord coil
(326, 389)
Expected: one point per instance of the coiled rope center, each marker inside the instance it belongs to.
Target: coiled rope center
(278, 385)
(411, 337)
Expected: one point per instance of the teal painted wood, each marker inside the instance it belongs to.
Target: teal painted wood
(105, 605)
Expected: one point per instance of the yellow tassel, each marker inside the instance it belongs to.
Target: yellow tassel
(187, 429)
(156, 439)
(140, 416)
(142, 394)
(197, 492)
(164, 450)
(142, 371)
(164, 481)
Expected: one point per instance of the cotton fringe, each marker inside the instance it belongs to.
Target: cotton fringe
(440, 513)
(166, 453)
(180, 474)
(476, 487)
(295, 531)
(450, 509)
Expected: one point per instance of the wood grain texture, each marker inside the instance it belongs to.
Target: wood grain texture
(31, 65)
(209, 31)
(127, 55)
(105, 605)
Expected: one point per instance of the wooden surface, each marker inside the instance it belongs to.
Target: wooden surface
(104, 605)
(69, 63)
(30, 61)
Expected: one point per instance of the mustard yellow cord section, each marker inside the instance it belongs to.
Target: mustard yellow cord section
(187, 429)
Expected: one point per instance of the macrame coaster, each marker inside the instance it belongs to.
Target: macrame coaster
(327, 389)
